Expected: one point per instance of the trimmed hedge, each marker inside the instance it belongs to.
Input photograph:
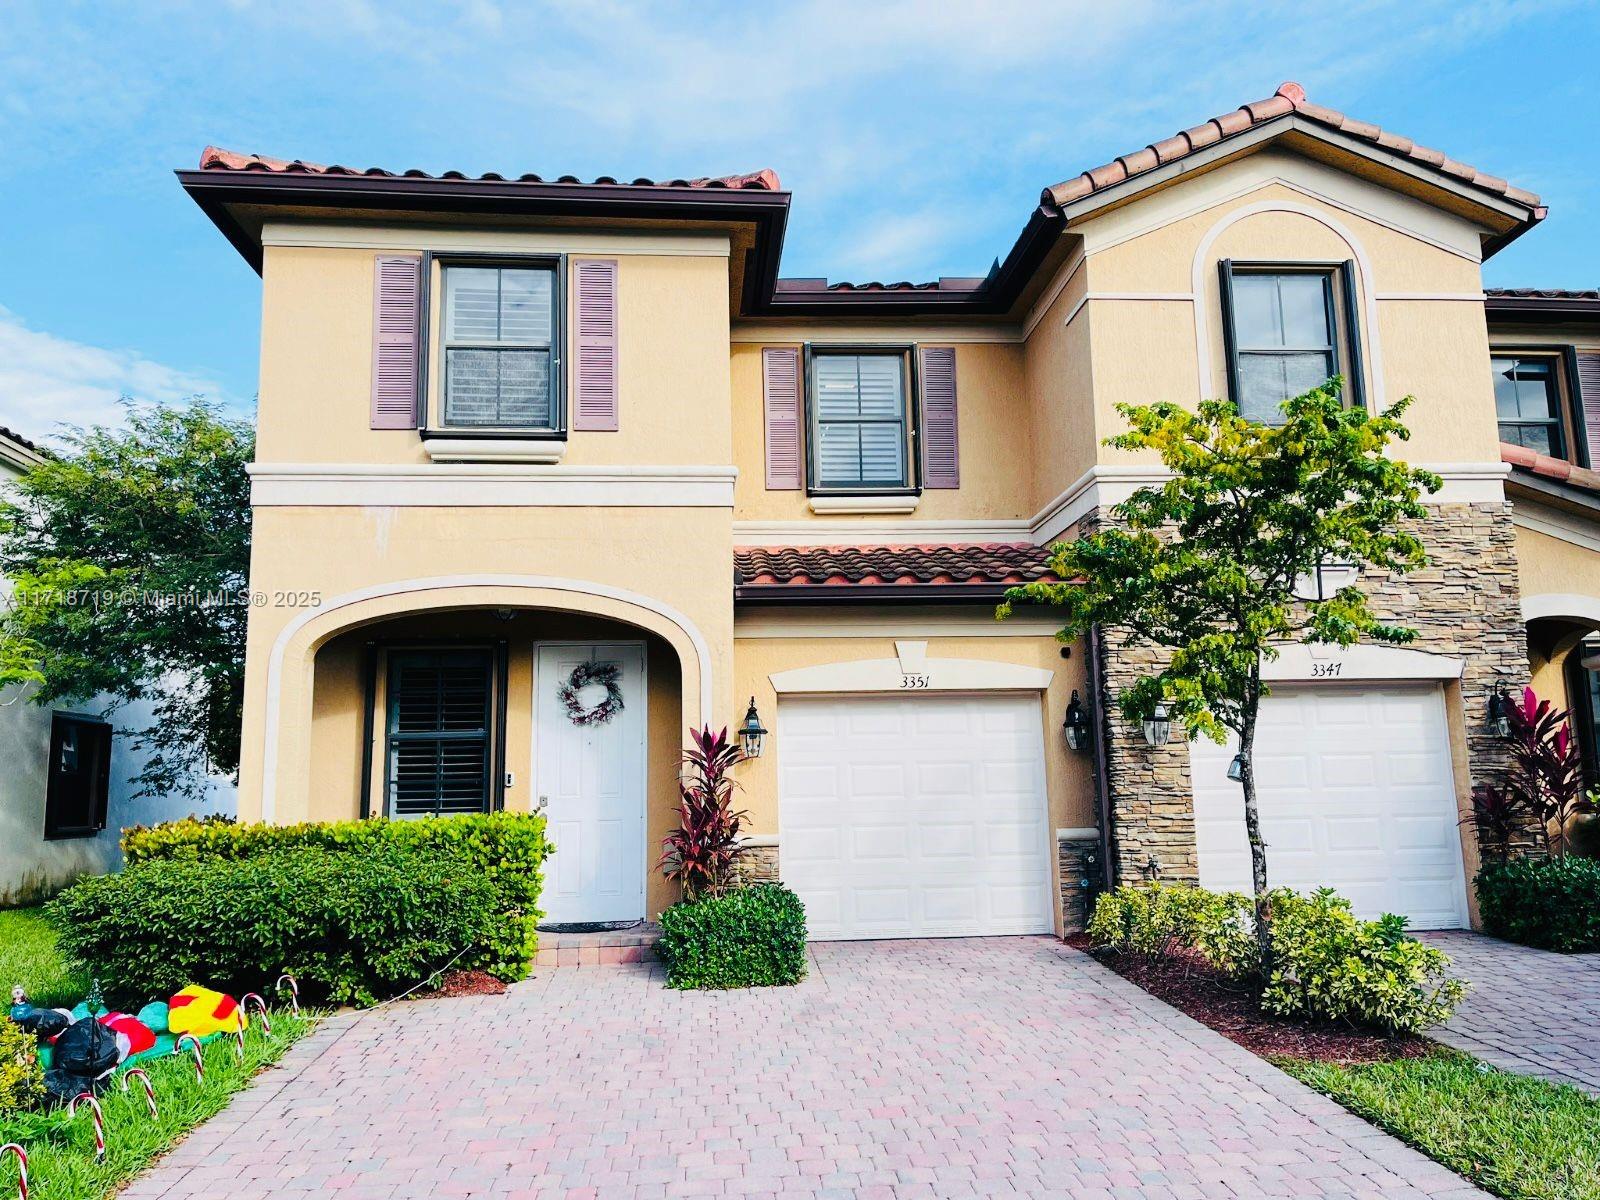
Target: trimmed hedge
(1550, 903)
(507, 850)
(751, 937)
(353, 927)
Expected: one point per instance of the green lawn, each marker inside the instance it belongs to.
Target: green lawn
(61, 1150)
(28, 956)
(1517, 1136)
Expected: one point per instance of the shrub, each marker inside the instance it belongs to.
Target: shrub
(702, 851)
(1552, 903)
(350, 926)
(21, 1079)
(749, 937)
(1328, 965)
(1153, 921)
(507, 850)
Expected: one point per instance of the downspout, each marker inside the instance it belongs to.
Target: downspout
(1102, 798)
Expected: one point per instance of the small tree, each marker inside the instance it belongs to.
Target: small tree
(129, 554)
(703, 851)
(1206, 565)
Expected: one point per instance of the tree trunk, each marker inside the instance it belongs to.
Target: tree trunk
(1252, 829)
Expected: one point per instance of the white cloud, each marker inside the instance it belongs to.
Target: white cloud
(48, 381)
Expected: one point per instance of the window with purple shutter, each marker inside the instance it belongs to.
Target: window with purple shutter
(396, 329)
(595, 334)
(941, 451)
(780, 391)
(1588, 396)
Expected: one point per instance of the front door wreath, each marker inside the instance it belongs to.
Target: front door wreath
(583, 675)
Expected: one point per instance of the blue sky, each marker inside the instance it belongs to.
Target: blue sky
(915, 136)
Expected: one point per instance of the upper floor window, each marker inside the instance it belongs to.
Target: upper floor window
(1527, 401)
(1287, 329)
(860, 417)
(500, 335)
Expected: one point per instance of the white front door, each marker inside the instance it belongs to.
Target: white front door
(591, 782)
(921, 816)
(1356, 793)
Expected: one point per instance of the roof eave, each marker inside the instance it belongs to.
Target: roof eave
(217, 191)
(870, 593)
(1541, 310)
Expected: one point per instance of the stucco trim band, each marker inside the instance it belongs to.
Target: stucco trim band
(1561, 605)
(1332, 664)
(488, 485)
(924, 675)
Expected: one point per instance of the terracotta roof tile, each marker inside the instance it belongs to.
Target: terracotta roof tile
(1526, 293)
(1547, 467)
(777, 567)
(214, 158)
(1289, 98)
(19, 439)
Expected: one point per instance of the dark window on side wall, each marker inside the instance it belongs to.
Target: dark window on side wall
(1583, 701)
(501, 369)
(79, 784)
(439, 732)
(1283, 329)
(860, 417)
(1527, 401)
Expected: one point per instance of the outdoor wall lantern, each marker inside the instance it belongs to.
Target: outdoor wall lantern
(1076, 726)
(751, 731)
(1158, 727)
(1327, 581)
(1499, 722)
(1236, 768)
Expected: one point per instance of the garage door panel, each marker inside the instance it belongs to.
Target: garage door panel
(1360, 798)
(940, 831)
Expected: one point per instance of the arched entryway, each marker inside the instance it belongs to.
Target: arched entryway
(1564, 667)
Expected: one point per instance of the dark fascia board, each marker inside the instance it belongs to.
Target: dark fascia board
(1541, 310)
(870, 593)
(1563, 495)
(216, 191)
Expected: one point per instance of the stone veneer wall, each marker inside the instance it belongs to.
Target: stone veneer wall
(758, 864)
(1081, 880)
(1466, 603)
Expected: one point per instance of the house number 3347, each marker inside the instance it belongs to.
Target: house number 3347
(1325, 670)
(916, 682)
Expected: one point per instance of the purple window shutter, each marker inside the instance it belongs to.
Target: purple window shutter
(780, 390)
(1589, 401)
(595, 394)
(396, 327)
(941, 448)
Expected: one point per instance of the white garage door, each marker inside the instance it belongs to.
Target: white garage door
(1356, 793)
(915, 816)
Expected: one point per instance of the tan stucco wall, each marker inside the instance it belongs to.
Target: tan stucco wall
(316, 361)
(1551, 565)
(1432, 338)
(336, 737)
(667, 558)
(994, 433)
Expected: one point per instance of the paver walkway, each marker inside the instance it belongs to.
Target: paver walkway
(1529, 1010)
(984, 1067)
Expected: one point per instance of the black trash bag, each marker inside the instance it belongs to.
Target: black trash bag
(83, 1055)
(43, 1023)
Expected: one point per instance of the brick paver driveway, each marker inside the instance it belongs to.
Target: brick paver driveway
(1529, 1010)
(1008, 1066)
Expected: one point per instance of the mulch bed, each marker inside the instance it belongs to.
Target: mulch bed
(1191, 986)
(469, 983)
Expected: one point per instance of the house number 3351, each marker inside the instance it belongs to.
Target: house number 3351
(917, 682)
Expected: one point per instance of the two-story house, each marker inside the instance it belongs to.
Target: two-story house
(550, 470)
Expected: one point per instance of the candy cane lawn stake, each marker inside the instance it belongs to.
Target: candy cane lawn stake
(99, 1122)
(261, 1011)
(238, 1043)
(22, 1167)
(149, 1088)
(294, 990)
(199, 1062)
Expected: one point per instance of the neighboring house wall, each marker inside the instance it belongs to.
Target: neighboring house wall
(32, 867)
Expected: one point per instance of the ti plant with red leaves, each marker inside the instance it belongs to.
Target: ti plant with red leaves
(1544, 787)
(702, 852)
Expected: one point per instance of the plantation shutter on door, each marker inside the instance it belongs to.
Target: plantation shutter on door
(780, 390)
(941, 451)
(396, 331)
(595, 395)
(439, 730)
(1588, 397)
